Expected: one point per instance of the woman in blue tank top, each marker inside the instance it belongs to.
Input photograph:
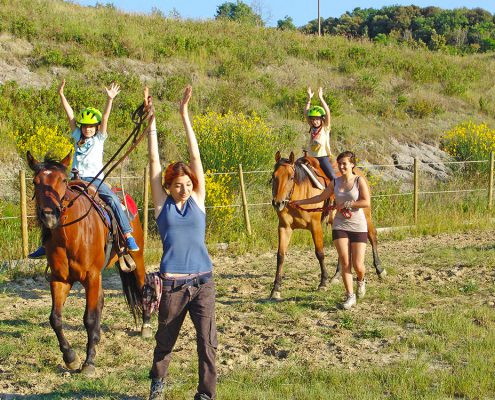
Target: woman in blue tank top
(185, 267)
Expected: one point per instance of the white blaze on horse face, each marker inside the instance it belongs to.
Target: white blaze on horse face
(47, 172)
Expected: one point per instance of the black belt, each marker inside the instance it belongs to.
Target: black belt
(180, 283)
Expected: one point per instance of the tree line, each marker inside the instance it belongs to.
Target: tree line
(460, 30)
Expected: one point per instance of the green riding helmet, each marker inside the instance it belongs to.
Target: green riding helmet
(316, 111)
(89, 116)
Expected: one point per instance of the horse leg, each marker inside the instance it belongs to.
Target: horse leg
(317, 234)
(60, 291)
(92, 318)
(372, 237)
(284, 235)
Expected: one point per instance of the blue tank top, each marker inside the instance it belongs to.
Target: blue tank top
(183, 238)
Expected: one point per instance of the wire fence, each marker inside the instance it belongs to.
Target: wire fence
(252, 186)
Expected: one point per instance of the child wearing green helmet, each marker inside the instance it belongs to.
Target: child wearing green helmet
(89, 132)
(319, 132)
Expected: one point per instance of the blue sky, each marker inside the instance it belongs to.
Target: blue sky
(301, 11)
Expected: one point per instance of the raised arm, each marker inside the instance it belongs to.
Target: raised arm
(67, 108)
(327, 120)
(308, 104)
(192, 143)
(158, 194)
(113, 91)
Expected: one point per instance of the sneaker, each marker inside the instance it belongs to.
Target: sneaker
(349, 301)
(131, 244)
(156, 389)
(361, 288)
(40, 252)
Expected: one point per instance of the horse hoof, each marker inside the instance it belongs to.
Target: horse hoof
(146, 331)
(74, 365)
(382, 274)
(89, 370)
(275, 296)
(322, 288)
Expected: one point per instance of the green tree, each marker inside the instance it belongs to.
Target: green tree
(286, 24)
(239, 12)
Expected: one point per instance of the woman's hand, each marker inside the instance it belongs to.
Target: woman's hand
(61, 88)
(113, 91)
(310, 93)
(186, 97)
(148, 102)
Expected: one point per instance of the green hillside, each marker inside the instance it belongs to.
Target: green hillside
(376, 91)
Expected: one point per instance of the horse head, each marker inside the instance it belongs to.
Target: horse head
(283, 180)
(50, 185)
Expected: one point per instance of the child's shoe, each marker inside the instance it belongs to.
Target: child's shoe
(131, 244)
(40, 252)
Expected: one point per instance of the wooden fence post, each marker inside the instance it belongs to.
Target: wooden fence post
(416, 190)
(24, 225)
(145, 202)
(244, 201)
(490, 182)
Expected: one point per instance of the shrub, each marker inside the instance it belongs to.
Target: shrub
(42, 140)
(423, 108)
(232, 139)
(218, 196)
(468, 141)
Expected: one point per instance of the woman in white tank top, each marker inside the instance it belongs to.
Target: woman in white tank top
(350, 229)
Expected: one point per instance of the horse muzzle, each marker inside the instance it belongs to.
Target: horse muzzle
(49, 217)
(279, 205)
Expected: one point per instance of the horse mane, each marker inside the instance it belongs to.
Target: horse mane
(300, 175)
(50, 162)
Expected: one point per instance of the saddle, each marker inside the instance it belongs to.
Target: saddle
(320, 181)
(115, 239)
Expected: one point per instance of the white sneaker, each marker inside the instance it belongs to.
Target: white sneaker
(361, 288)
(349, 301)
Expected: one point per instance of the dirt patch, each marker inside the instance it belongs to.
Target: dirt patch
(307, 327)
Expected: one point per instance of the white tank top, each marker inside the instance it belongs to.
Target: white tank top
(357, 222)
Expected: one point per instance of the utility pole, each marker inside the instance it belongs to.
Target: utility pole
(319, 21)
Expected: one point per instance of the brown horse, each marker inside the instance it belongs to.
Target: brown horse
(75, 250)
(291, 182)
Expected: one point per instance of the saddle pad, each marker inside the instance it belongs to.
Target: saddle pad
(131, 204)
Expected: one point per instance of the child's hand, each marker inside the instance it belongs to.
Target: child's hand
(310, 93)
(186, 97)
(113, 91)
(61, 87)
(320, 92)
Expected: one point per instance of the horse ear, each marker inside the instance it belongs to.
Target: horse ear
(66, 161)
(277, 156)
(291, 157)
(32, 162)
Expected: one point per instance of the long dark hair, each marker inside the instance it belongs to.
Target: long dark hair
(347, 154)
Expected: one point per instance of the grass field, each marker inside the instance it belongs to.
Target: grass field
(426, 331)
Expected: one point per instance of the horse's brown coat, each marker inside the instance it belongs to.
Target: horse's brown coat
(288, 185)
(75, 250)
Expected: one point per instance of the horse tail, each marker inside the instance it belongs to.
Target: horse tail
(133, 295)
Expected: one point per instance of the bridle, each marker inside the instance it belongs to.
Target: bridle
(292, 178)
(61, 204)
